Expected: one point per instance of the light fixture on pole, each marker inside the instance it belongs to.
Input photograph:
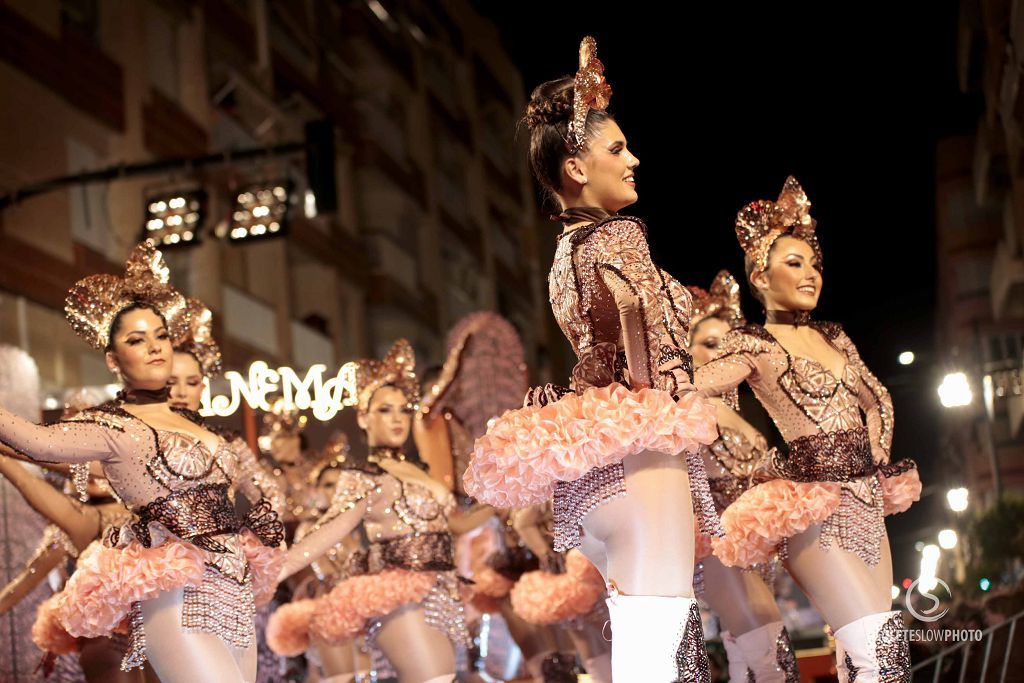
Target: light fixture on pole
(906, 358)
(174, 218)
(261, 211)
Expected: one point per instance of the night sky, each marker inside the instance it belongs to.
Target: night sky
(722, 103)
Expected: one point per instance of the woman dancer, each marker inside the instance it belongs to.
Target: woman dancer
(405, 591)
(826, 507)
(609, 451)
(188, 570)
(565, 592)
(755, 639)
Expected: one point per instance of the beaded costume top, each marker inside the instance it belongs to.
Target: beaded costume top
(606, 292)
(730, 462)
(803, 397)
(394, 507)
(172, 482)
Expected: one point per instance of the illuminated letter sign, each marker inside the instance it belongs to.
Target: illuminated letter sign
(324, 398)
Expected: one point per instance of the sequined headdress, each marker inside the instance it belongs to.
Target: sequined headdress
(760, 223)
(282, 420)
(722, 300)
(93, 302)
(199, 341)
(590, 91)
(398, 368)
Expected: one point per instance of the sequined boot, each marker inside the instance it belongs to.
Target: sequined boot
(768, 654)
(875, 650)
(657, 640)
(599, 668)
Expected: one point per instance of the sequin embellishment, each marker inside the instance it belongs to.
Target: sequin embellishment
(692, 665)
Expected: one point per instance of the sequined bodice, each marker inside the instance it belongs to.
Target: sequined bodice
(585, 307)
(182, 459)
(394, 507)
(801, 395)
(729, 462)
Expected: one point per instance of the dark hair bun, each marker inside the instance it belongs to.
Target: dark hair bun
(549, 107)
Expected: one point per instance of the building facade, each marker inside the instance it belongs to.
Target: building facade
(980, 215)
(435, 209)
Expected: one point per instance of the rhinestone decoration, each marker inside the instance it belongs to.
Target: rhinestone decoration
(444, 610)
(590, 91)
(858, 525)
(80, 480)
(829, 456)
(786, 658)
(135, 654)
(397, 369)
(892, 651)
(573, 500)
(222, 606)
(692, 665)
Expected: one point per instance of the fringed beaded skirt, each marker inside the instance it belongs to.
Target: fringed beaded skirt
(827, 479)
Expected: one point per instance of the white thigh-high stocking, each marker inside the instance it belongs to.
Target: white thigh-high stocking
(657, 640)
(874, 649)
(737, 665)
(768, 654)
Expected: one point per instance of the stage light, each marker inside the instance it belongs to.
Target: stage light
(906, 358)
(174, 218)
(947, 539)
(260, 211)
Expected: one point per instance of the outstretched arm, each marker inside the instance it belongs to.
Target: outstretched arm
(467, 521)
(53, 550)
(324, 536)
(79, 521)
(72, 441)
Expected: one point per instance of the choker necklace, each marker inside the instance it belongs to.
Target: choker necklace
(794, 318)
(378, 453)
(141, 397)
(578, 214)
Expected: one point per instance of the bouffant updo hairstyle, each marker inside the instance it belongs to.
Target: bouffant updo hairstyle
(547, 116)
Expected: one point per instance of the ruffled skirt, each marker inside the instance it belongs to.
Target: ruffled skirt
(571, 450)
(544, 597)
(102, 596)
(767, 514)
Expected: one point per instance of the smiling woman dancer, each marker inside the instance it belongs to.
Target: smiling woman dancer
(403, 588)
(755, 639)
(620, 451)
(185, 581)
(824, 509)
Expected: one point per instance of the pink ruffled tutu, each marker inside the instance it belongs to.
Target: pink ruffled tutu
(768, 513)
(491, 584)
(343, 613)
(528, 450)
(288, 627)
(48, 633)
(544, 598)
(99, 595)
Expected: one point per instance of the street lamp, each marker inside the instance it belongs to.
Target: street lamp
(957, 499)
(955, 390)
(906, 358)
(947, 539)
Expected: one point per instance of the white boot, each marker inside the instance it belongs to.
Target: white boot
(657, 640)
(768, 654)
(876, 650)
(599, 668)
(737, 665)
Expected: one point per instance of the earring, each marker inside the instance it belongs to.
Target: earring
(583, 182)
